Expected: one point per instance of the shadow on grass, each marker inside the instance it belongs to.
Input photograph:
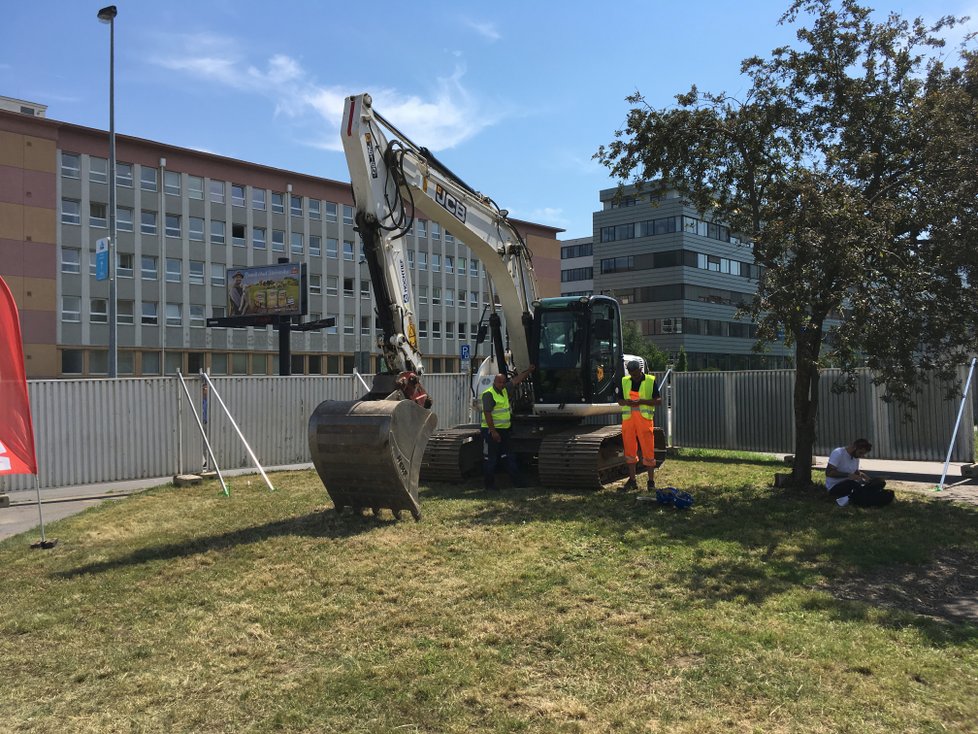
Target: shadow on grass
(323, 524)
(747, 544)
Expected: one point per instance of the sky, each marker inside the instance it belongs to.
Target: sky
(514, 97)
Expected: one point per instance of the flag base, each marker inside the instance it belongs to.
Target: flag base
(45, 544)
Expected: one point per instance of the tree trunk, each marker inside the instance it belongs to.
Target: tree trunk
(805, 405)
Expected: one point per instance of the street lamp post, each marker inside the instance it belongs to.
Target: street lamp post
(107, 15)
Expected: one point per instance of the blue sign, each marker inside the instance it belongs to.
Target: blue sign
(102, 259)
(465, 351)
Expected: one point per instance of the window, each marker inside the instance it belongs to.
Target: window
(315, 244)
(422, 295)
(237, 235)
(449, 264)
(123, 219)
(331, 245)
(70, 260)
(196, 272)
(123, 174)
(147, 222)
(436, 296)
(70, 165)
(422, 227)
(151, 363)
(219, 363)
(197, 229)
(217, 312)
(98, 311)
(461, 266)
(316, 284)
(174, 268)
(173, 228)
(195, 187)
(147, 179)
(348, 287)
(97, 214)
(331, 284)
(449, 240)
(435, 262)
(197, 317)
(348, 324)
(364, 326)
(474, 267)
(330, 211)
(258, 200)
(423, 329)
(314, 208)
(364, 289)
(436, 329)
(171, 183)
(217, 197)
(148, 269)
(462, 297)
(124, 312)
(218, 232)
(98, 361)
(296, 206)
(347, 214)
(410, 256)
(278, 203)
(348, 250)
(278, 240)
(125, 261)
(297, 245)
(237, 195)
(149, 316)
(70, 211)
(70, 308)
(217, 274)
(173, 315)
(463, 329)
(435, 231)
(449, 297)
(258, 238)
(98, 170)
(422, 260)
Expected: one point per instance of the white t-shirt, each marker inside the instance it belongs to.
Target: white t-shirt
(844, 462)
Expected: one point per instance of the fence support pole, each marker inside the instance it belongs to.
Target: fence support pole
(957, 423)
(203, 433)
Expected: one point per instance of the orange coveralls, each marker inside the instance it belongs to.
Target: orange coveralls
(637, 431)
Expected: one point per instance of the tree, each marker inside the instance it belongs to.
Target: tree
(634, 343)
(851, 166)
(682, 361)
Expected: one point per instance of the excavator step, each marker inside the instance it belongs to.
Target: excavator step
(368, 452)
(587, 458)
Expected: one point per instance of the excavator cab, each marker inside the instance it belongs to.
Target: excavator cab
(578, 350)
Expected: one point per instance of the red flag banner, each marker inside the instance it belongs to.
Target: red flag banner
(16, 428)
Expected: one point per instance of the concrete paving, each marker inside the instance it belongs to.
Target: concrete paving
(57, 503)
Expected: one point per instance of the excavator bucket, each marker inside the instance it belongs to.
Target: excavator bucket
(368, 452)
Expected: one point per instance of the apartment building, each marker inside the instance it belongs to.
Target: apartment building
(184, 217)
(678, 274)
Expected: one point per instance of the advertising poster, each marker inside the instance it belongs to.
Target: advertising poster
(267, 290)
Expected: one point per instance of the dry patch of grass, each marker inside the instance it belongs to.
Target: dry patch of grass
(182, 610)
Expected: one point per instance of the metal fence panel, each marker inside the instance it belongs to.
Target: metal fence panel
(753, 411)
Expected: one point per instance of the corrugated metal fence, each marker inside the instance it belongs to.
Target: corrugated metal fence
(89, 431)
(752, 411)
(93, 431)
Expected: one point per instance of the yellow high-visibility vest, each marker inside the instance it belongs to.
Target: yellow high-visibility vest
(644, 393)
(501, 417)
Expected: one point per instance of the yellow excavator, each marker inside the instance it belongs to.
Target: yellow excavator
(373, 452)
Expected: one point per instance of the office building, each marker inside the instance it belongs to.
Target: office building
(678, 274)
(184, 217)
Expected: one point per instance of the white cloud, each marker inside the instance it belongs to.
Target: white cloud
(485, 29)
(448, 115)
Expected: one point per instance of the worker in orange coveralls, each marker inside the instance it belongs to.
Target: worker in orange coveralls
(639, 396)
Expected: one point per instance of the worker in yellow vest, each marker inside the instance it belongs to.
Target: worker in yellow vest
(497, 420)
(639, 396)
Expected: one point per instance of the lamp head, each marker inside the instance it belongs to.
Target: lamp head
(107, 14)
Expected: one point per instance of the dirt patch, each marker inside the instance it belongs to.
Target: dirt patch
(965, 493)
(945, 588)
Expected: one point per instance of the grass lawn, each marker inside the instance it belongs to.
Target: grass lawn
(180, 610)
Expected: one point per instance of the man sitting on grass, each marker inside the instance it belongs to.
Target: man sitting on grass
(846, 483)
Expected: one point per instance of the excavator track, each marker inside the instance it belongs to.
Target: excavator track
(587, 457)
(452, 455)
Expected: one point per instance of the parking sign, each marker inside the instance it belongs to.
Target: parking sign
(465, 351)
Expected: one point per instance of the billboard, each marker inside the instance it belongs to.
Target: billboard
(267, 290)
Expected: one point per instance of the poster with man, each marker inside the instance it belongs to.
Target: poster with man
(268, 290)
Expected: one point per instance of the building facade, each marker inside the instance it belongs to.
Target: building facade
(678, 275)
(184, 218)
